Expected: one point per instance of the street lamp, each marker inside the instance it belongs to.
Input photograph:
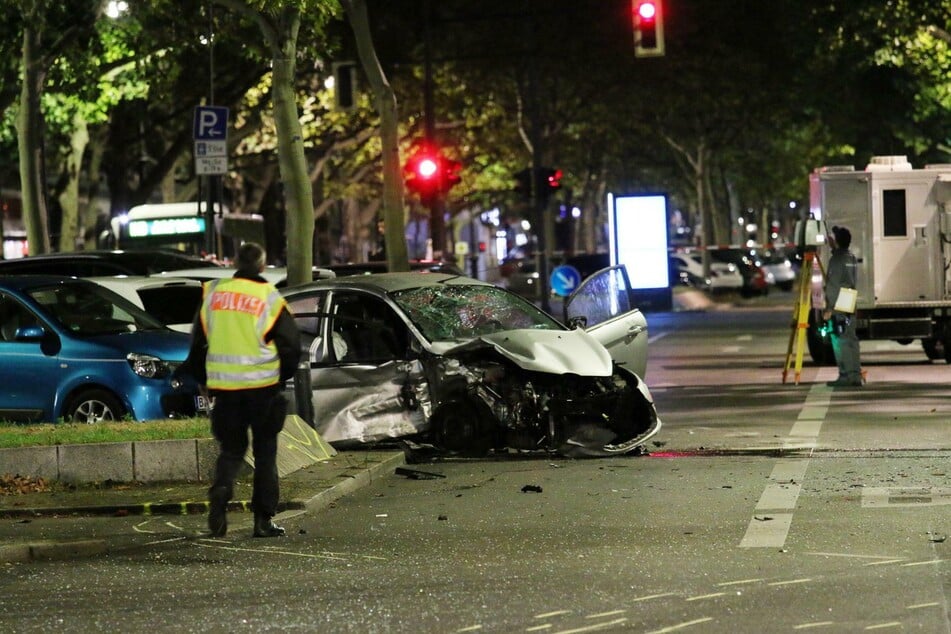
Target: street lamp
(115, 8)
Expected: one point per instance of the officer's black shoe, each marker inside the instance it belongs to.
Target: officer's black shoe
(264, 527)
(217, 513)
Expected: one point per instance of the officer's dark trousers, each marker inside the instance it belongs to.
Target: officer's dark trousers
(234, 412)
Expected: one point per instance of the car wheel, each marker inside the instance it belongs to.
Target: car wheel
(463, 426)
(93, 406)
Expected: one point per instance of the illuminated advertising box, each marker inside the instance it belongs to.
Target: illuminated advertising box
(637, 225)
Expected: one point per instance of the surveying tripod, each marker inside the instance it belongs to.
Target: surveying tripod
(800, 325)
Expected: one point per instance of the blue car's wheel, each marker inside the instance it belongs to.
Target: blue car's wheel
(93, 406)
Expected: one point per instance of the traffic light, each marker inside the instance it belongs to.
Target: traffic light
(547, 181)
(429, 173)
(648, 27)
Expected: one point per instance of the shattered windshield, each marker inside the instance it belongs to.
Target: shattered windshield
(460, 312)
(92, 310)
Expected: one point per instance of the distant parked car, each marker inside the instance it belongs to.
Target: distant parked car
(102, 263)
(779, 267)
(470, 367)
(174, 301)
(724, 276)
(755, 277)
(73, 350)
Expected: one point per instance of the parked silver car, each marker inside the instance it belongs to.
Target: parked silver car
(470, 367)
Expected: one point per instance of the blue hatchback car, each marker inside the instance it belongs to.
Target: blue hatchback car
(73, 350)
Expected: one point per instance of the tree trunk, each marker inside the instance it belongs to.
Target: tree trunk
(298, 192)
(30, 146)
(69, 234)
(394, 220)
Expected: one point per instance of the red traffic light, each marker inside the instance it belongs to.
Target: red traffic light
(427, 167)
(648, 27)
(428, 172)
(646, 11)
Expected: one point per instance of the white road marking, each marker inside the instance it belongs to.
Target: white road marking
(769, 530)
(653, 596)
(605, 614)
(661, 335)
(791, 582)
(593, 627)
(918, 606)
(682, 626)
(808, 626)
(730, 349)
(740, 582)
(550, 614)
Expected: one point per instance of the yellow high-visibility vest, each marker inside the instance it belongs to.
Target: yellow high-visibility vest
(236, 313)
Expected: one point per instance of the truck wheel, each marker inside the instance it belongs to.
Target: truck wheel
(934, 348)
(820, 346)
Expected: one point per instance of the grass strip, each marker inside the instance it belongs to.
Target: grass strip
(45, 434)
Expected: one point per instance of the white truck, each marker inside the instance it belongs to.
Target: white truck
(900, 219)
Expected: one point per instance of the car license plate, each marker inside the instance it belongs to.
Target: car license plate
(202, 403)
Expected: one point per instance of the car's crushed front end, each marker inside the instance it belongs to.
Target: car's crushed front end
(530, 390)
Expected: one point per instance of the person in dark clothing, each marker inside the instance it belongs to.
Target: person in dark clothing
(245, 344)
(841, 273)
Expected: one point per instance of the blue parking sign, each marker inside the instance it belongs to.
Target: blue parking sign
(564, 280)
(210, 123)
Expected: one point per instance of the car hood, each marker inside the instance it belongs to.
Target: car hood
(167, 345)
(551, 351)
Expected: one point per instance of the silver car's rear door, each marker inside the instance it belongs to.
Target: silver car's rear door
(604, 300)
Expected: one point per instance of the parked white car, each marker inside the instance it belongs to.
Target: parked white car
(723, 276)
(778, 267)
(276, 275)
(172, 300)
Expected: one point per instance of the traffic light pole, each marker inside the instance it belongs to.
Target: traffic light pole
(437, 225)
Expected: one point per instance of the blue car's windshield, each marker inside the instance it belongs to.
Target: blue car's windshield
(89, 309)
(459, 312)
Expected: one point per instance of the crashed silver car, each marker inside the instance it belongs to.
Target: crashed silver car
(469, 367)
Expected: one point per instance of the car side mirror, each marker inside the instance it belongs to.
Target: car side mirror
(579, 321)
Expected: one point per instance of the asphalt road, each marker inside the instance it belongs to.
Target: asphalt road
(763, 507)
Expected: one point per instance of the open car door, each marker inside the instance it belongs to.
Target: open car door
(604, 301)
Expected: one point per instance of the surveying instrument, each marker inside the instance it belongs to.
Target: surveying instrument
(810, 235)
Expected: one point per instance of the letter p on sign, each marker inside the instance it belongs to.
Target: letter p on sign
(210, 123)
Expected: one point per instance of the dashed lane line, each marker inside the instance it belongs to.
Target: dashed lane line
(769, 529)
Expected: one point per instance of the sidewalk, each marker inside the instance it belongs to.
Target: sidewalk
(85, 521)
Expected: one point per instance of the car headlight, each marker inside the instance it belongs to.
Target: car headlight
(147, 366)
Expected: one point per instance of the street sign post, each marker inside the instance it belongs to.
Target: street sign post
(210, 133)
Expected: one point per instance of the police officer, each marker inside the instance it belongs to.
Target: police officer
(245, 344)
(841, 273)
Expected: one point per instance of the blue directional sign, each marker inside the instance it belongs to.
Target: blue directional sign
(564, 280)
(210, 123)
